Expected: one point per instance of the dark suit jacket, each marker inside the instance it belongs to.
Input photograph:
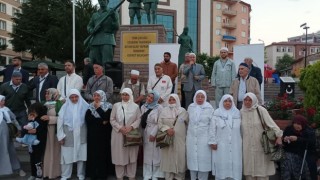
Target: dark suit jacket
(50, 82)
(7, 73)
(256, 72)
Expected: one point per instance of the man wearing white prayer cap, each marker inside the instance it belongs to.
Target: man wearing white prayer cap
(136, 86)
(223, 73)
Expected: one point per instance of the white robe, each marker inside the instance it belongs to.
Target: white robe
(227, 159)
(163, 87)
(198, 138)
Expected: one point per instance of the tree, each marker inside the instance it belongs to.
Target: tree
(207, 62)
(44, 28)
(284, 63)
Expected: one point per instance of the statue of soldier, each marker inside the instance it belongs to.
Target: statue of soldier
(134, 10)
(103, 41)
(186, 45)
(151, 6)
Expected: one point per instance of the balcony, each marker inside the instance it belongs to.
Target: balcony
(228, 12)
(229, 25)
(229, 38)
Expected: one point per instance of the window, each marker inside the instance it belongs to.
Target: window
(15, 11)
(3, 41)
(218, 44)
(243, 34)
(244, 9)
(289, 49)
(317, 50)
(218, 6)
(3, 25)
(278, 49)
(243, 21)
(3, 8)
(218, 19)
(226, 45)
(312, 50)
(218, 31)
(283, 49)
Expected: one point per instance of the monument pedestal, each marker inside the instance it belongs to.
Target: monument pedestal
(133, 47)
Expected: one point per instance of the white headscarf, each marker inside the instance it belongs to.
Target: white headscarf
(104, 104)
(175, 109)
(4, 112)
(227, 115)
(73, 115)
(254, 99)
(126, 104)
(199, 107)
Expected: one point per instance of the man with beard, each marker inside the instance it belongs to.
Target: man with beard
(15, 66)
(223, 73)
(170, 69)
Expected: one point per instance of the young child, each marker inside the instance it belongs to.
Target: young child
(30, 139)
(36, 111)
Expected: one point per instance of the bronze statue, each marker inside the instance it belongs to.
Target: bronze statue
(102, 28)
(151, 6)
(134, 10)
(186, 45)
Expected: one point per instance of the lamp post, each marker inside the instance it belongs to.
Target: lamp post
(304, 26)
(261, 40)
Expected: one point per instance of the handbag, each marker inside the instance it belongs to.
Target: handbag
(268, 137)
(13, 130)
(278, 154)
(163, 139)
(133, 138)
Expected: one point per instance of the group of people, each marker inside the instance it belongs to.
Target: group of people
(91, 131)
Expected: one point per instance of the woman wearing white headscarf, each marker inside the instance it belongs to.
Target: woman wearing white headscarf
(256, 164)
(226, 141)
(72, 134)
(149, 122)
(99, 165)
(198, 137)
(125, 116)
(9, 161)
(52, 155)
(173, 158)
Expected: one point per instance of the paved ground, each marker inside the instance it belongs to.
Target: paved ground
(24, 158)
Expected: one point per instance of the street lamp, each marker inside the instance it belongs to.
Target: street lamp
(304, 26)
(261, 40)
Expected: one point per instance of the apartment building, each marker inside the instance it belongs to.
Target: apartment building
(8, 8)
(275, 51)
(231, 24)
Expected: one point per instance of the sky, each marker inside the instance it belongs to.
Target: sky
(276, 20)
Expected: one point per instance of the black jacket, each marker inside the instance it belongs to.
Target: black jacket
(7, 73)
(51, 81)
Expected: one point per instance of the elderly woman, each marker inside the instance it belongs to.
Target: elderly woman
(297, 138)
(227, 142)
(99, 164)
(198, 137)
(9, 161)
(173, 120)
(149, 121)
(125, 116)
(72, 134)
(256, 164)
(51, 162)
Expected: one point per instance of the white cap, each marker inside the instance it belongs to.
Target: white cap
(135, 72)
(224, 49)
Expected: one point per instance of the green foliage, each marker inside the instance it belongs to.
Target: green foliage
(310, 84)
(44, 28)
(207, 62)
(284, 63)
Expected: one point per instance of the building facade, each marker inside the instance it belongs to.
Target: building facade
(231, 24)
(311, 38)
(201, 18)
(276, 51)
(8, 9)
